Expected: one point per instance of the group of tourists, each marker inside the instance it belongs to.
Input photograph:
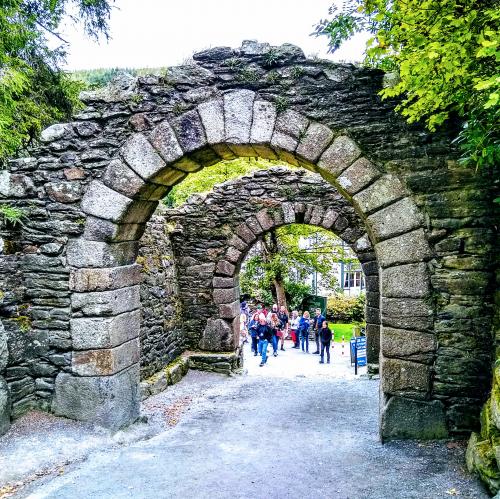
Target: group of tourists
(274, 326)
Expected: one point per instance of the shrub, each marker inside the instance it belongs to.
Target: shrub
(345, 309)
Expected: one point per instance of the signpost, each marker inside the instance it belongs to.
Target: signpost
(358, 352)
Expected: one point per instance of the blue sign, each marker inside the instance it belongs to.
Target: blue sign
(360, 343)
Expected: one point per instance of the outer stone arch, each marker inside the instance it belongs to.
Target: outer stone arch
(236, 123)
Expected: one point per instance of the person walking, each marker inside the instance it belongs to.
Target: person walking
(325, 336)
(283, 317)
(317, 321)
(264, 336)
(294, 329)
(252, 329)
(304, 324)
(275, 326)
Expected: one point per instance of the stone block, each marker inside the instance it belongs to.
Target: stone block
(233, 255)
(314, 141)
(384, 191)
(400, 377)
(4, 348)
(225, 268)
(283, 142)
(106, 361)
(109, 401)
(225, 295)
(264, 118)
(410, 345)
(97, 229)
(107, 303)
(330, 218)
(56, 132)
(82, 280)
(5, 406)
(119, 177)
(292, 124)
(265, 220)
(288, 213)
(189, 131)
(91, 333)
(63, 192)
(224, 282)
(212, 118)
(238, 110)
(253, 224)
(229, 310)
(103, 202)
(408, 248)
(140, 155)
(188, 164)
(223, 151)
(340, 154)
(215, 335)
(237, 243)
(362, 244)
(397, 218)
(405, 281)
(372, 343)
(82, 253)
(404, 418)
(359, 175)
(317, 215)
(407, 313)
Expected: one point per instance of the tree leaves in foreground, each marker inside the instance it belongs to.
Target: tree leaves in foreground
(447, 53)
(34, 90)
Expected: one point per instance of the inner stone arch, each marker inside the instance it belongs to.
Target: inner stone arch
(211, 236)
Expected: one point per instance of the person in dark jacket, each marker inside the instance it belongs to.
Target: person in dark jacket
(252, 329)
(264, 335)
(325, 336)
(304, 324)
(317, 321)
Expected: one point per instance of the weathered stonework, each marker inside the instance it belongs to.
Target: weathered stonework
(72, 189)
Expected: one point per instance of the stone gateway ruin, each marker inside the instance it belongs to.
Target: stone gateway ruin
(98, 291)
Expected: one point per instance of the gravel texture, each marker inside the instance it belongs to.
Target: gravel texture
(306, 430)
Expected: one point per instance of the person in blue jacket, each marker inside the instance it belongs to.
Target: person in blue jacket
(252, 329)
(304, 325)
(264, 335)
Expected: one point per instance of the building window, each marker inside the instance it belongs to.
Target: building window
(354, 279)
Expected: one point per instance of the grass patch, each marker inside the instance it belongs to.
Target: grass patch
(342, 329)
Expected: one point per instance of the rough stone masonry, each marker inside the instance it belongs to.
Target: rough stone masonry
(68, 273)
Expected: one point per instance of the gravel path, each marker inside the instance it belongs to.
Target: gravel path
(301, 433)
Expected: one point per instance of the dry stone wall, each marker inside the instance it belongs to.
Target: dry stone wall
(92, 184)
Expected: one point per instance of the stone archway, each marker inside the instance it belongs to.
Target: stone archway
(93, 183)
(237, 123)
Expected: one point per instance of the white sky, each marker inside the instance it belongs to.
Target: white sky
(154, 33)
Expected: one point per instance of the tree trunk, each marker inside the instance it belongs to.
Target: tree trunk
(271, 249)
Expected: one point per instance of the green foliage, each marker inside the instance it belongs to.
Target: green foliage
(343, 308)
(291, 263)
(11, 215)
(271, 58)
(447, 53)
(281, 104)
(204, 180)
(34, 91)
(97, 78)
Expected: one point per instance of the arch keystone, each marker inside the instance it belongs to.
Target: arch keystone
(238, 111)
(264, 119)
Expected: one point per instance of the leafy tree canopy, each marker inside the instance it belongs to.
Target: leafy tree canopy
(34, 90)
(204, 180)
(447, 53)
